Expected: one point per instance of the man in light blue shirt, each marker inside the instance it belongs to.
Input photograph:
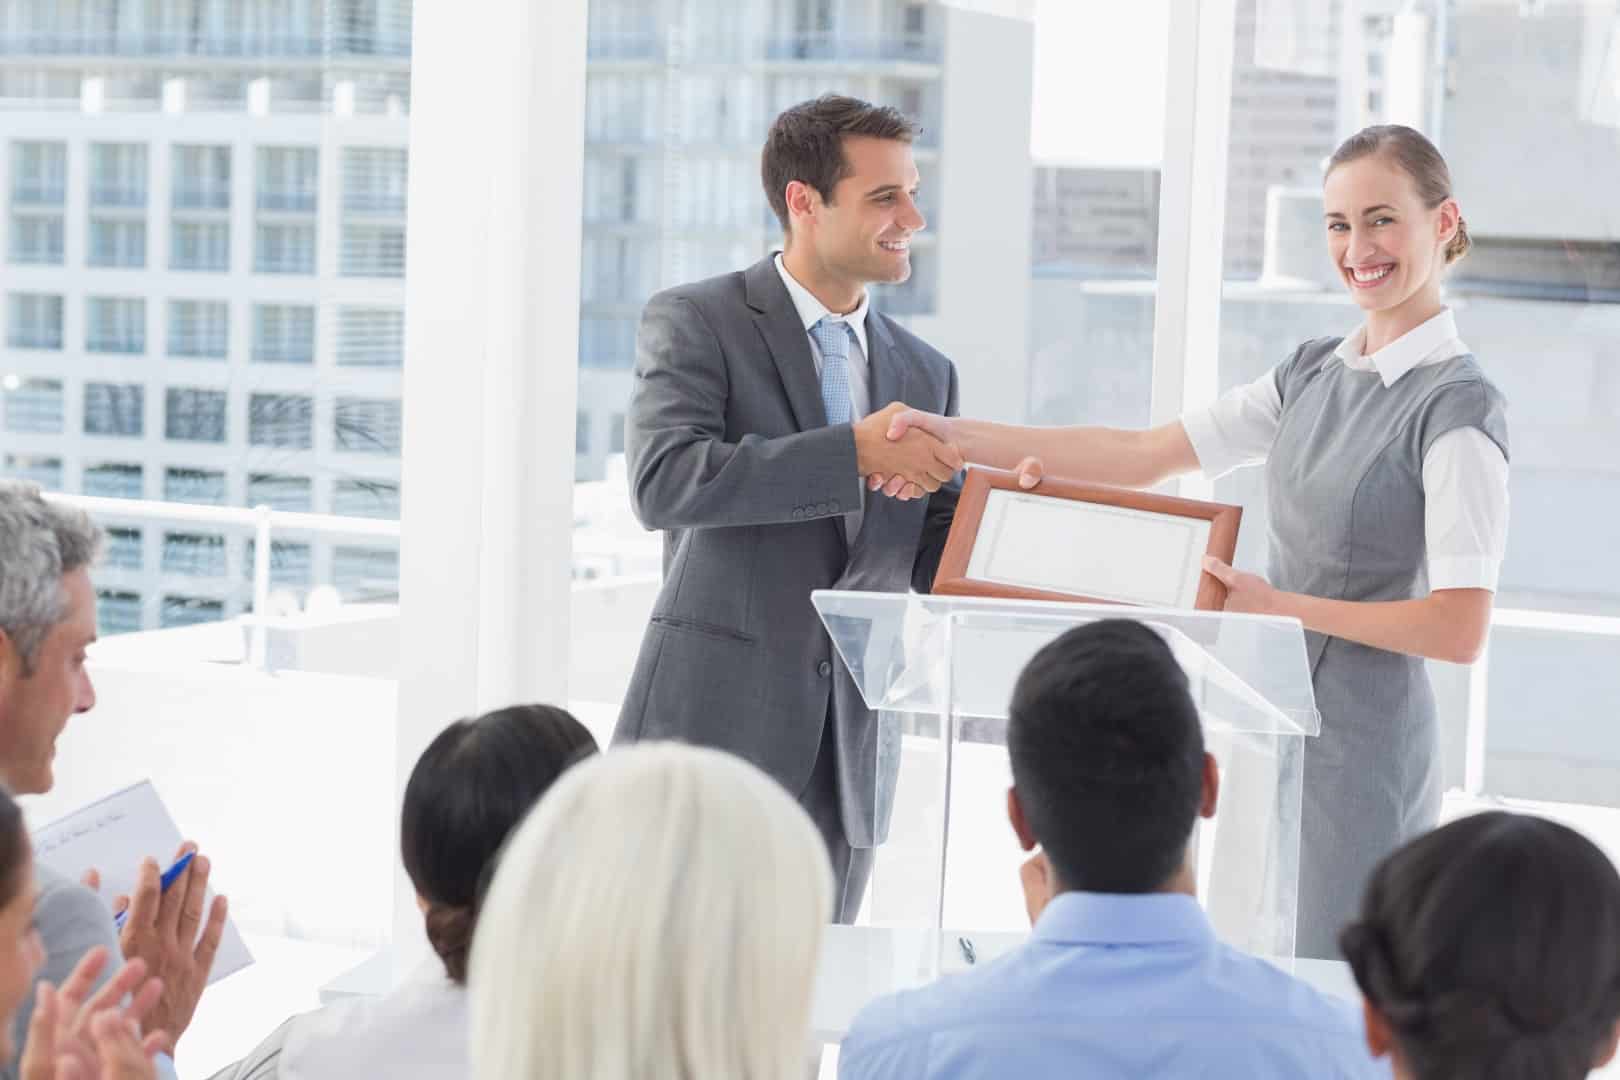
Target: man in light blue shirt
(1122, 976)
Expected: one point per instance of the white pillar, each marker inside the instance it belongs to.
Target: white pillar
(492, 295)
(1192, 207)
(1406, 74)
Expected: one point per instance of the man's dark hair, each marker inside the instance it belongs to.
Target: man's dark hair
(1107, 757)
(806, 143)
(1492, 947)
(470, 788)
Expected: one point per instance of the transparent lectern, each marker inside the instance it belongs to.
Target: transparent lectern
(940, 672)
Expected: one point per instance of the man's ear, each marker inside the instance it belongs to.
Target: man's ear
(801, 198)
(11, 668)
(1212, 787)
(1020, 823)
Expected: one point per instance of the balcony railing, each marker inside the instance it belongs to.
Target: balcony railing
(202, 198)
(114, 343)
(284, 264)
(118, 195)
(261, 519)
(38, 194)
(814, 48)
(233, 46)
(375, 202)
(294, 202)
(845, 48)
(30, 337)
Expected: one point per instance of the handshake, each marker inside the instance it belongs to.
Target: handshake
(907, 453)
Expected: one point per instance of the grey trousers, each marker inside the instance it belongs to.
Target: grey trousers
(851, 866)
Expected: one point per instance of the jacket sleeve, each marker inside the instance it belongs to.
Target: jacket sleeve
(683, 472)
(939, 516)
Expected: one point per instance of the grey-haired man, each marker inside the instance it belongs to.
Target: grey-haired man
(47, 621)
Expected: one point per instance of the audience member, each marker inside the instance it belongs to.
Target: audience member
(658, 915)
(47, 620)
(1122, 976)
(1490, 948)
(469, 790)
(66, 1036)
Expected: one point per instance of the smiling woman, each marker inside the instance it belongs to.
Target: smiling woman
(1386, 455)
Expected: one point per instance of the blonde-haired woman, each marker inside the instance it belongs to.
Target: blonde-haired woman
(659, 914)
(1387, 484)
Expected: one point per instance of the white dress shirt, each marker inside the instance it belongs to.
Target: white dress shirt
(812, 311)
(1465, 475)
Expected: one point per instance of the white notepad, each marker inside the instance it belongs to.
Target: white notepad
(113, 835)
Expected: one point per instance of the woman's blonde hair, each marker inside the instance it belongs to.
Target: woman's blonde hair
(1418, 158)
(659, 914)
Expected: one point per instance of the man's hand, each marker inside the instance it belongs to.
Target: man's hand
(61, 1042)
(1035, 875)
(162, 931)
(915, 457)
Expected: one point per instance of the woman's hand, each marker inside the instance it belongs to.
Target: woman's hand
(1245, 592)
(945, 429)
(62, 1042)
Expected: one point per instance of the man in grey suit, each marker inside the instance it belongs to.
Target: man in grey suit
(47, 621)
(762, 400)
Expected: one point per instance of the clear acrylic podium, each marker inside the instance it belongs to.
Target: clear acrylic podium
(940, 671)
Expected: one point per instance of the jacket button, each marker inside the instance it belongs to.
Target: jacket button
(824, 668)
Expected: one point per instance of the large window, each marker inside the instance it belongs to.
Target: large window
(1517, 100)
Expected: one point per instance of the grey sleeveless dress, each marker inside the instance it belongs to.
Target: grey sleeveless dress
(1344, 482)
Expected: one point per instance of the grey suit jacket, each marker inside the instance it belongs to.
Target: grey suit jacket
(731, 456)
(71, 920)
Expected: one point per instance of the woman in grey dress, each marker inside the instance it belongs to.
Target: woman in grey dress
(1386, 477)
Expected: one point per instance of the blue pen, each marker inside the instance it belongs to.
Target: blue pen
(170, 876)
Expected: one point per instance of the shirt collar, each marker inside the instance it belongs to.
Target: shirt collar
(1075, 918)
(1427, 343)
(812, 311)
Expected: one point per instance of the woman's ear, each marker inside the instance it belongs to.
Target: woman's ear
(1448, 219)
(1380, 1040)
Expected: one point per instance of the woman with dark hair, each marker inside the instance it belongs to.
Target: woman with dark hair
(469, 789)
(1490, 948)
(1385, 453)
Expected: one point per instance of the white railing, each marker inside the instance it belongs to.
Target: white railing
(261, 519)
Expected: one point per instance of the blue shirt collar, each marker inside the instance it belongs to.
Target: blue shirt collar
(1088, 918)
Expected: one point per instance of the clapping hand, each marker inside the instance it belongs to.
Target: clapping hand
(162, 930)
(66, 1039)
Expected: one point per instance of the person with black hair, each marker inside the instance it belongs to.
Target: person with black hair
(1122, 976)
(1490, 948)
(471, 787)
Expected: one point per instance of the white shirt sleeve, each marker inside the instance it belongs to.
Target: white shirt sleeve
(1465, 518)
(1238, 429)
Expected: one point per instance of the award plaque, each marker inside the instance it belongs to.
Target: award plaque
(1065, 540)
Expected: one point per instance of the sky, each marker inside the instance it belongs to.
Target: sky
(1099, 81)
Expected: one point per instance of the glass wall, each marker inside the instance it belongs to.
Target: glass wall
(1522, 101)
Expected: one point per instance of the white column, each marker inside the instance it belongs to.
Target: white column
(497, 150)
(1192, 208)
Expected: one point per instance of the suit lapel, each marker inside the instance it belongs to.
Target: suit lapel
(887, 362)
(778, 322)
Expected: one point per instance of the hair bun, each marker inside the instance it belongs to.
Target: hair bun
(449, 931)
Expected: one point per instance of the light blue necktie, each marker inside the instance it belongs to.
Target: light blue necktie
(832, 338)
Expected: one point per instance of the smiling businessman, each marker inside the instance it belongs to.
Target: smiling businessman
(762, 399)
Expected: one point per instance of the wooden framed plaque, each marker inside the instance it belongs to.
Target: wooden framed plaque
(1065, 540)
